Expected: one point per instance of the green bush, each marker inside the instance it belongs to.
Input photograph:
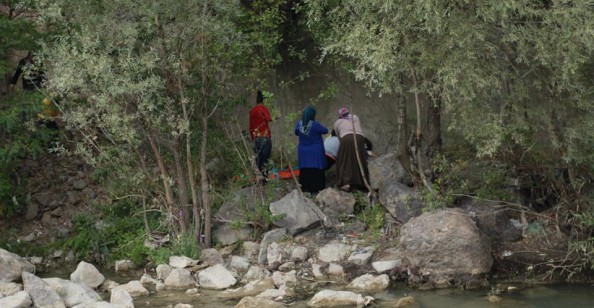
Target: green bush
(372, 215)
(116, 232)
(20, 138)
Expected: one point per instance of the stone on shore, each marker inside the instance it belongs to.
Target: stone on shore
(216, 277)
(87, 274)
(331, 298)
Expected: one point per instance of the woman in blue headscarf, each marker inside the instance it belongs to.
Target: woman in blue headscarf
(312, 157)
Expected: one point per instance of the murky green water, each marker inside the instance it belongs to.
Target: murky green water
(541, 297)
(553, 296)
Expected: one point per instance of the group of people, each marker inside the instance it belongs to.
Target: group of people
(347, 147)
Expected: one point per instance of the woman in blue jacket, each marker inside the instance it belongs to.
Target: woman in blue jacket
(312, 157)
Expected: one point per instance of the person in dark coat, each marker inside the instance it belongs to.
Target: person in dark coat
(311, 153)
(351, 161)
(33, 76)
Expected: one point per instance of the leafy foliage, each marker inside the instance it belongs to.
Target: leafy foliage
(505, 71)
(115, 233)
(372, 215)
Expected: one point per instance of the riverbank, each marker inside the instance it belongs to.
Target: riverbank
(505, 242)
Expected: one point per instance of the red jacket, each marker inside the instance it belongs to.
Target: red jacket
(259, 119)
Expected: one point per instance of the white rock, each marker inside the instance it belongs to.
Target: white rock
(121, 298)
(331, 298)
(317, 271)
(180, 279)
(163, 270)
(20, 299)
(73, 293)
(383, 266)
(368, 282)
(41, 293)
(299, 254)
(335, 270)
(180, 261)
(124, 265)
(362, 255)
(216, 277)
(10, 288)
(334, 252)
(146, 279)
(134, 288)
(87, 274)
(240, 264)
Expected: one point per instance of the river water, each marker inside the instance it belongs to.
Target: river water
(543, 296)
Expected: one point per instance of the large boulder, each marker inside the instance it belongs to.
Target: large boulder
(239, 264)
(335, 204)
(216, 277)
(300, 214)
(446, 246)
(387, 169)
(401, 201)
(9, 288)
(370, 283)
(41, 293)
(494, 220)
(180, 279)
(212, 257)
(227, 230)
(72, 293)
(12, 266)
(87, 274)
(20, 299)
(121, 298)
(331, 298)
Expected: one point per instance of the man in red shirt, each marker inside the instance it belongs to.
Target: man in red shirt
(260, 133)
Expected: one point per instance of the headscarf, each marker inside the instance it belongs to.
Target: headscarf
(343, 113)
(309, 115)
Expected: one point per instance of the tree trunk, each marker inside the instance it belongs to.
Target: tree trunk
(164, 176)
(402, 138)
(434, 127)
(190, 165)
(204, 184)
(182, 186)
(419, 134)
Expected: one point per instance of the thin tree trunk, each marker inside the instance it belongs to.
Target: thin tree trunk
(204, 184)
(164, 176)
(182, 186)
(190, 165)
(402, 138)
(419, 135)
(434, 127)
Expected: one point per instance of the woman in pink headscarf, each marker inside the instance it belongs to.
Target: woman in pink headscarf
(350, 175)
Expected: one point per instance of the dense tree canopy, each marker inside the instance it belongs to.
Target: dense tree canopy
(508, 72)
(139, 81)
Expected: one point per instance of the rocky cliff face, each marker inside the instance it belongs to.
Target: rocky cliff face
(58, 188)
